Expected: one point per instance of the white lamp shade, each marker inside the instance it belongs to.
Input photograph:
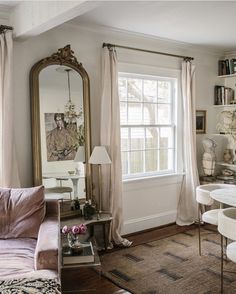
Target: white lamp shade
(80, 154)
(99, 156)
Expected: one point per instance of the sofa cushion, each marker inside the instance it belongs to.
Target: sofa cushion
(16, 256)
(21, 212)
(17, 260)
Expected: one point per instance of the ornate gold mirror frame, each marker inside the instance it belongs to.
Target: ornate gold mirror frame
(64, 56)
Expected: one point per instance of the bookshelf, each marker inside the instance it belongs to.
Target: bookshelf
(224, 103)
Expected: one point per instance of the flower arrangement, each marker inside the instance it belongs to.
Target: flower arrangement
(73, 234)
(75, 230)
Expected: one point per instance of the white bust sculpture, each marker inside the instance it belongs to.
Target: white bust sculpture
(209, 156)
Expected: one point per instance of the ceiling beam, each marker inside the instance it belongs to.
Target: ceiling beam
(31, 18)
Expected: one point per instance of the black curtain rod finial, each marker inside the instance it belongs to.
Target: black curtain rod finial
(4, 28)
(108, 45)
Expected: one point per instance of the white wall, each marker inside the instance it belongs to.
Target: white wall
(147, 203)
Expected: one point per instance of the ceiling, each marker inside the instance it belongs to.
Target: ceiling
(211, 24)
(207, 23)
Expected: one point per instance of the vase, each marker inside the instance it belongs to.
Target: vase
(74, 243)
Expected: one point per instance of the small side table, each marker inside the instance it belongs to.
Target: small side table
(74, 275)
(104, 220)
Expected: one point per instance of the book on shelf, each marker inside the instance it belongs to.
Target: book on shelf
(226, 67)
(86, 256)
(223, 95)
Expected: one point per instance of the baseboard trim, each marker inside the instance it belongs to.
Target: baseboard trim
(149, 222)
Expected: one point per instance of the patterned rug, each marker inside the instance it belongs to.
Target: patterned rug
(171, 266)
(30, 286)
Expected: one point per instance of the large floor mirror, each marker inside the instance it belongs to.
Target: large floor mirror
(60, 112)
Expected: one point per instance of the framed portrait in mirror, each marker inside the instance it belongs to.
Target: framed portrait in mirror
(201, 121)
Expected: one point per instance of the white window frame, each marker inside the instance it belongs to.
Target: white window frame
(149, 71)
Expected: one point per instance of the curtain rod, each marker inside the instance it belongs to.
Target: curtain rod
(108, 45)
(3, 28)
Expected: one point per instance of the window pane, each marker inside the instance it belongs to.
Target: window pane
(166, 138)
(146, 105)
(150, 91)
(124, 158)
(136, 162)
(123, 113)
(151, 160)
(152, 138)
(124, 139)
(134, 113)
(134, 89)
(164, 114)
(137, 139)
(164, 91)
(166, 159)
(150, 113)
(122, 88)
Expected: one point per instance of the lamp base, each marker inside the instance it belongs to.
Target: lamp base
(79, 170)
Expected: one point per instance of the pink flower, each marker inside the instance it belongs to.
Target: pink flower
(75, 230)
(83, 229)
(65, 230)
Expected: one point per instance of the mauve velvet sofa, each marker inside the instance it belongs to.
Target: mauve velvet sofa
(29, 234)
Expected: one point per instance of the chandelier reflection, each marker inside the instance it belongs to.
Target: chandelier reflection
(70, 108)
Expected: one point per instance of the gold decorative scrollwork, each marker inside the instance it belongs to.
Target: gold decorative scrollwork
(63, 55)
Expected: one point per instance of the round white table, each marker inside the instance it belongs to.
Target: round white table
(225, 196)
(62, 176)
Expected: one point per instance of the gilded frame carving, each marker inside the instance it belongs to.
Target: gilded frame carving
(64, 56)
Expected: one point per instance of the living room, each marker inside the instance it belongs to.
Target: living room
(187, 29)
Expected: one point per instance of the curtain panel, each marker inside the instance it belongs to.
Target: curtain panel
(187, 206)
(8, 167)
(110, 138)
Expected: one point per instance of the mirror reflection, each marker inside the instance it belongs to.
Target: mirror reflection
(62, 131)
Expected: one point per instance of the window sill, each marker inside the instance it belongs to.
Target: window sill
(154, 177)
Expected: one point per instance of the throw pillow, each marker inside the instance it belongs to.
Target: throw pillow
(21, 212)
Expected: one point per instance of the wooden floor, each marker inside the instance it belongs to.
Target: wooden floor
(94, 283)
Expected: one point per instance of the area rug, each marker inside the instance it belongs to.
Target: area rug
(171, 266)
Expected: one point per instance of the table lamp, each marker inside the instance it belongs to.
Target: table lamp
(80, 159)
(98, 157)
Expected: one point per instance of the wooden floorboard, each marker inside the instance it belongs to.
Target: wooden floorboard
(90, 281)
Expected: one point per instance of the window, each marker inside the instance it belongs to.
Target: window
(148, 125)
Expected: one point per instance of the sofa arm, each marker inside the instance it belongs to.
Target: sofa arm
(46, 251)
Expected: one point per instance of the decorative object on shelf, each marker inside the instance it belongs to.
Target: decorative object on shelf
(71, 172)
(227, 172)
(200, 121)
(209, 156)
(227, 126)
(88, 210)
(99, 156)
(227, 122)
(73, 237)
(80, 160)
(228, 156)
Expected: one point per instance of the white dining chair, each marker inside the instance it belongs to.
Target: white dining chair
(203, 198)
(52, 188)
(227, 228)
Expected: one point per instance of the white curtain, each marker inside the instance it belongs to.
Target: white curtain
(8, 167)
(187, 207)
(110, 138)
